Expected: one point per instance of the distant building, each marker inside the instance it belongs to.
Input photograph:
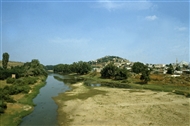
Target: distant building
(165, 71)
(159, 65)
(178, 72)
(175, 75)
(13, 75)
(186, 71)
(97, 69)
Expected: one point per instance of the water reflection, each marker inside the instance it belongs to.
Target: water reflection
(68, 79)
(45, 111)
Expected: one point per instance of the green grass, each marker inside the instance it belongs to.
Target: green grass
(90, 93)
(132, 83)
(3, 83)
(14, 118)
(28, 98)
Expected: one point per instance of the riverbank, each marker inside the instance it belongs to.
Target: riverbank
(113, 106)
(23, 106)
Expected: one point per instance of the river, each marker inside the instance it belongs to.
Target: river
(45, 111)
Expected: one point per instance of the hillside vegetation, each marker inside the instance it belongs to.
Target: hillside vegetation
(19, 84)
(12, 64)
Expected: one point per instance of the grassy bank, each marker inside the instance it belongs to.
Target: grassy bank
(166, 84)
(23, 106)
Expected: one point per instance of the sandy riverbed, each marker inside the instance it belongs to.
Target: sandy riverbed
(122, 107)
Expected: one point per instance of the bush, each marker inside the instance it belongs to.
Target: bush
(115, 84)
(25, 89)
(6, 97)
(20, 82)
(109, 71)
(3, 106)
(10, 80)
(30, 80)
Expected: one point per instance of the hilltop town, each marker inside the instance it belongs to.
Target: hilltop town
(179, 67)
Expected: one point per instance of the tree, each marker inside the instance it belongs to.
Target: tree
(3, 106)
(109, 71)
(5, 60)
(138, 67)
(121, 74)
(82, 67)
(112, 72)
(145, 76)
(34, 68)
(178, 68)
(170, 69)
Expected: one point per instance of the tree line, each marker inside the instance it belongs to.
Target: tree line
(76, 67)
(33, 68)
(112, 72)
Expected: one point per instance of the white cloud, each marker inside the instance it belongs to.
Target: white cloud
(151, 18)
(126, 5)
(181, 28)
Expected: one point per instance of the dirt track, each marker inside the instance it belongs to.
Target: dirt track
(124, 107)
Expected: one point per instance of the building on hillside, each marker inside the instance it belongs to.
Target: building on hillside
(159, 65)
(183, 63)
(186, 71)
(164, 71)
(13, 75)
(117, 64)
(178, 72)
(175, 75)
(97, 70)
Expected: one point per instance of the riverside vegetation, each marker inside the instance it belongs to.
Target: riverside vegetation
(17, 93)
(127, 100)
(140, 76)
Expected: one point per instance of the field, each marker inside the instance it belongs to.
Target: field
(125, 107)
(163, 101)
(12, 63)
(158, 82)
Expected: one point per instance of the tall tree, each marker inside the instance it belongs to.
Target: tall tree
(138, 67)
(109, 71)
(5, 60)
(145, 76)
(170, 69)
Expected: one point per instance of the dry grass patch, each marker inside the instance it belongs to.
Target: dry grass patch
(113, 106)
(3, 83)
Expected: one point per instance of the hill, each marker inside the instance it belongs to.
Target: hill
(108, 59)
(12, 63)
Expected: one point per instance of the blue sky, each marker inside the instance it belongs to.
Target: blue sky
(68, 31)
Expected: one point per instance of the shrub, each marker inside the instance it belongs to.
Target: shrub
(25, 89)
(20, 82)
(3, 106)
(109, 71)
(6, 97)
(10, 80)
(30, 80)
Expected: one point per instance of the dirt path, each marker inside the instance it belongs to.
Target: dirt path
(123, 107)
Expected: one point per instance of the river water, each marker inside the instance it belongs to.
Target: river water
(45, 111)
